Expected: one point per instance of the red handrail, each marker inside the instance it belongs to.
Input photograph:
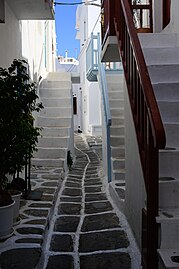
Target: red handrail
(148, 124)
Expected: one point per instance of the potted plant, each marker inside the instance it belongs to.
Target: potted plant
(18, 136)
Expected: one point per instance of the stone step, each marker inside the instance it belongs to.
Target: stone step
(158, 40)
(169, 226)
(118, 163)
(55, 131)
(117, 111)
(172, 131)
(169, 111)
(169, 258)
(50, 84)
(166, 91)
(117, 140)
(59, 76)
(161, 56)
(168, 163)
(113, 95)
(56, 112)
(116, 103)
(56, 102)
(117, 77)
(53, 122)
(118, 151)
(118, 193)
(112, 88)
(48, 162)
(168, 192)
(117, 121)
(50, 153)
(164, 73)
(117, 130)
(53, 142)
(63, 91)
(118, 175)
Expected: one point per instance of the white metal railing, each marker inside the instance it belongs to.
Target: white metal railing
(92, 60)
(95, 70)
(92, 57)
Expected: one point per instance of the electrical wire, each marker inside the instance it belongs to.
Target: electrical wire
(72, 4)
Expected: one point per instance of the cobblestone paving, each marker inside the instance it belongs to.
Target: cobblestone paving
(23, 249)
(86, 232)
(75, 224)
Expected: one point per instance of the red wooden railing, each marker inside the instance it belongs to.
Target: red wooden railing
(148, 125)
(110, 8)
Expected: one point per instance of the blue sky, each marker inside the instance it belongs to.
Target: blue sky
(65, 17)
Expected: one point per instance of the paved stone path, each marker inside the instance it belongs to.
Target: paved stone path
(86, 232)
(75, 225)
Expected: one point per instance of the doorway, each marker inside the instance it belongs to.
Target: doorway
(166, 12)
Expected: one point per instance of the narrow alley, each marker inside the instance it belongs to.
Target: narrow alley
(86, 230)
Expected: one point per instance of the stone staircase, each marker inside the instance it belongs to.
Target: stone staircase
(56, 120)
(161, 53)
(116, 102)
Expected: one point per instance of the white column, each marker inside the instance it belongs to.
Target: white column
(157, 15)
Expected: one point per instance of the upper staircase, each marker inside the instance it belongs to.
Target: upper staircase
(161, 54)
(117, 139)
(56, 121)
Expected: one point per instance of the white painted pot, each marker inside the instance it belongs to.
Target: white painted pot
(16, 198)
(6, 220)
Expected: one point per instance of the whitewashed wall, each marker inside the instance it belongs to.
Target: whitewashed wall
(157, 15)
(10, 41)
(38, 46)
(135, 189)
(86, 18)
(158, 19)
(174, 15)
(174, 23)
(25, 40)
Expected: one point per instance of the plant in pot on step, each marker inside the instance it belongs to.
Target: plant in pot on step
(18, 136)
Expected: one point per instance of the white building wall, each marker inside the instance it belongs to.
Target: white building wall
(174, 16)
(10, 41)
(157, 15)
(25, 40)
(174, 22)
(38, 46)
(87, 23)
(135, 188)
